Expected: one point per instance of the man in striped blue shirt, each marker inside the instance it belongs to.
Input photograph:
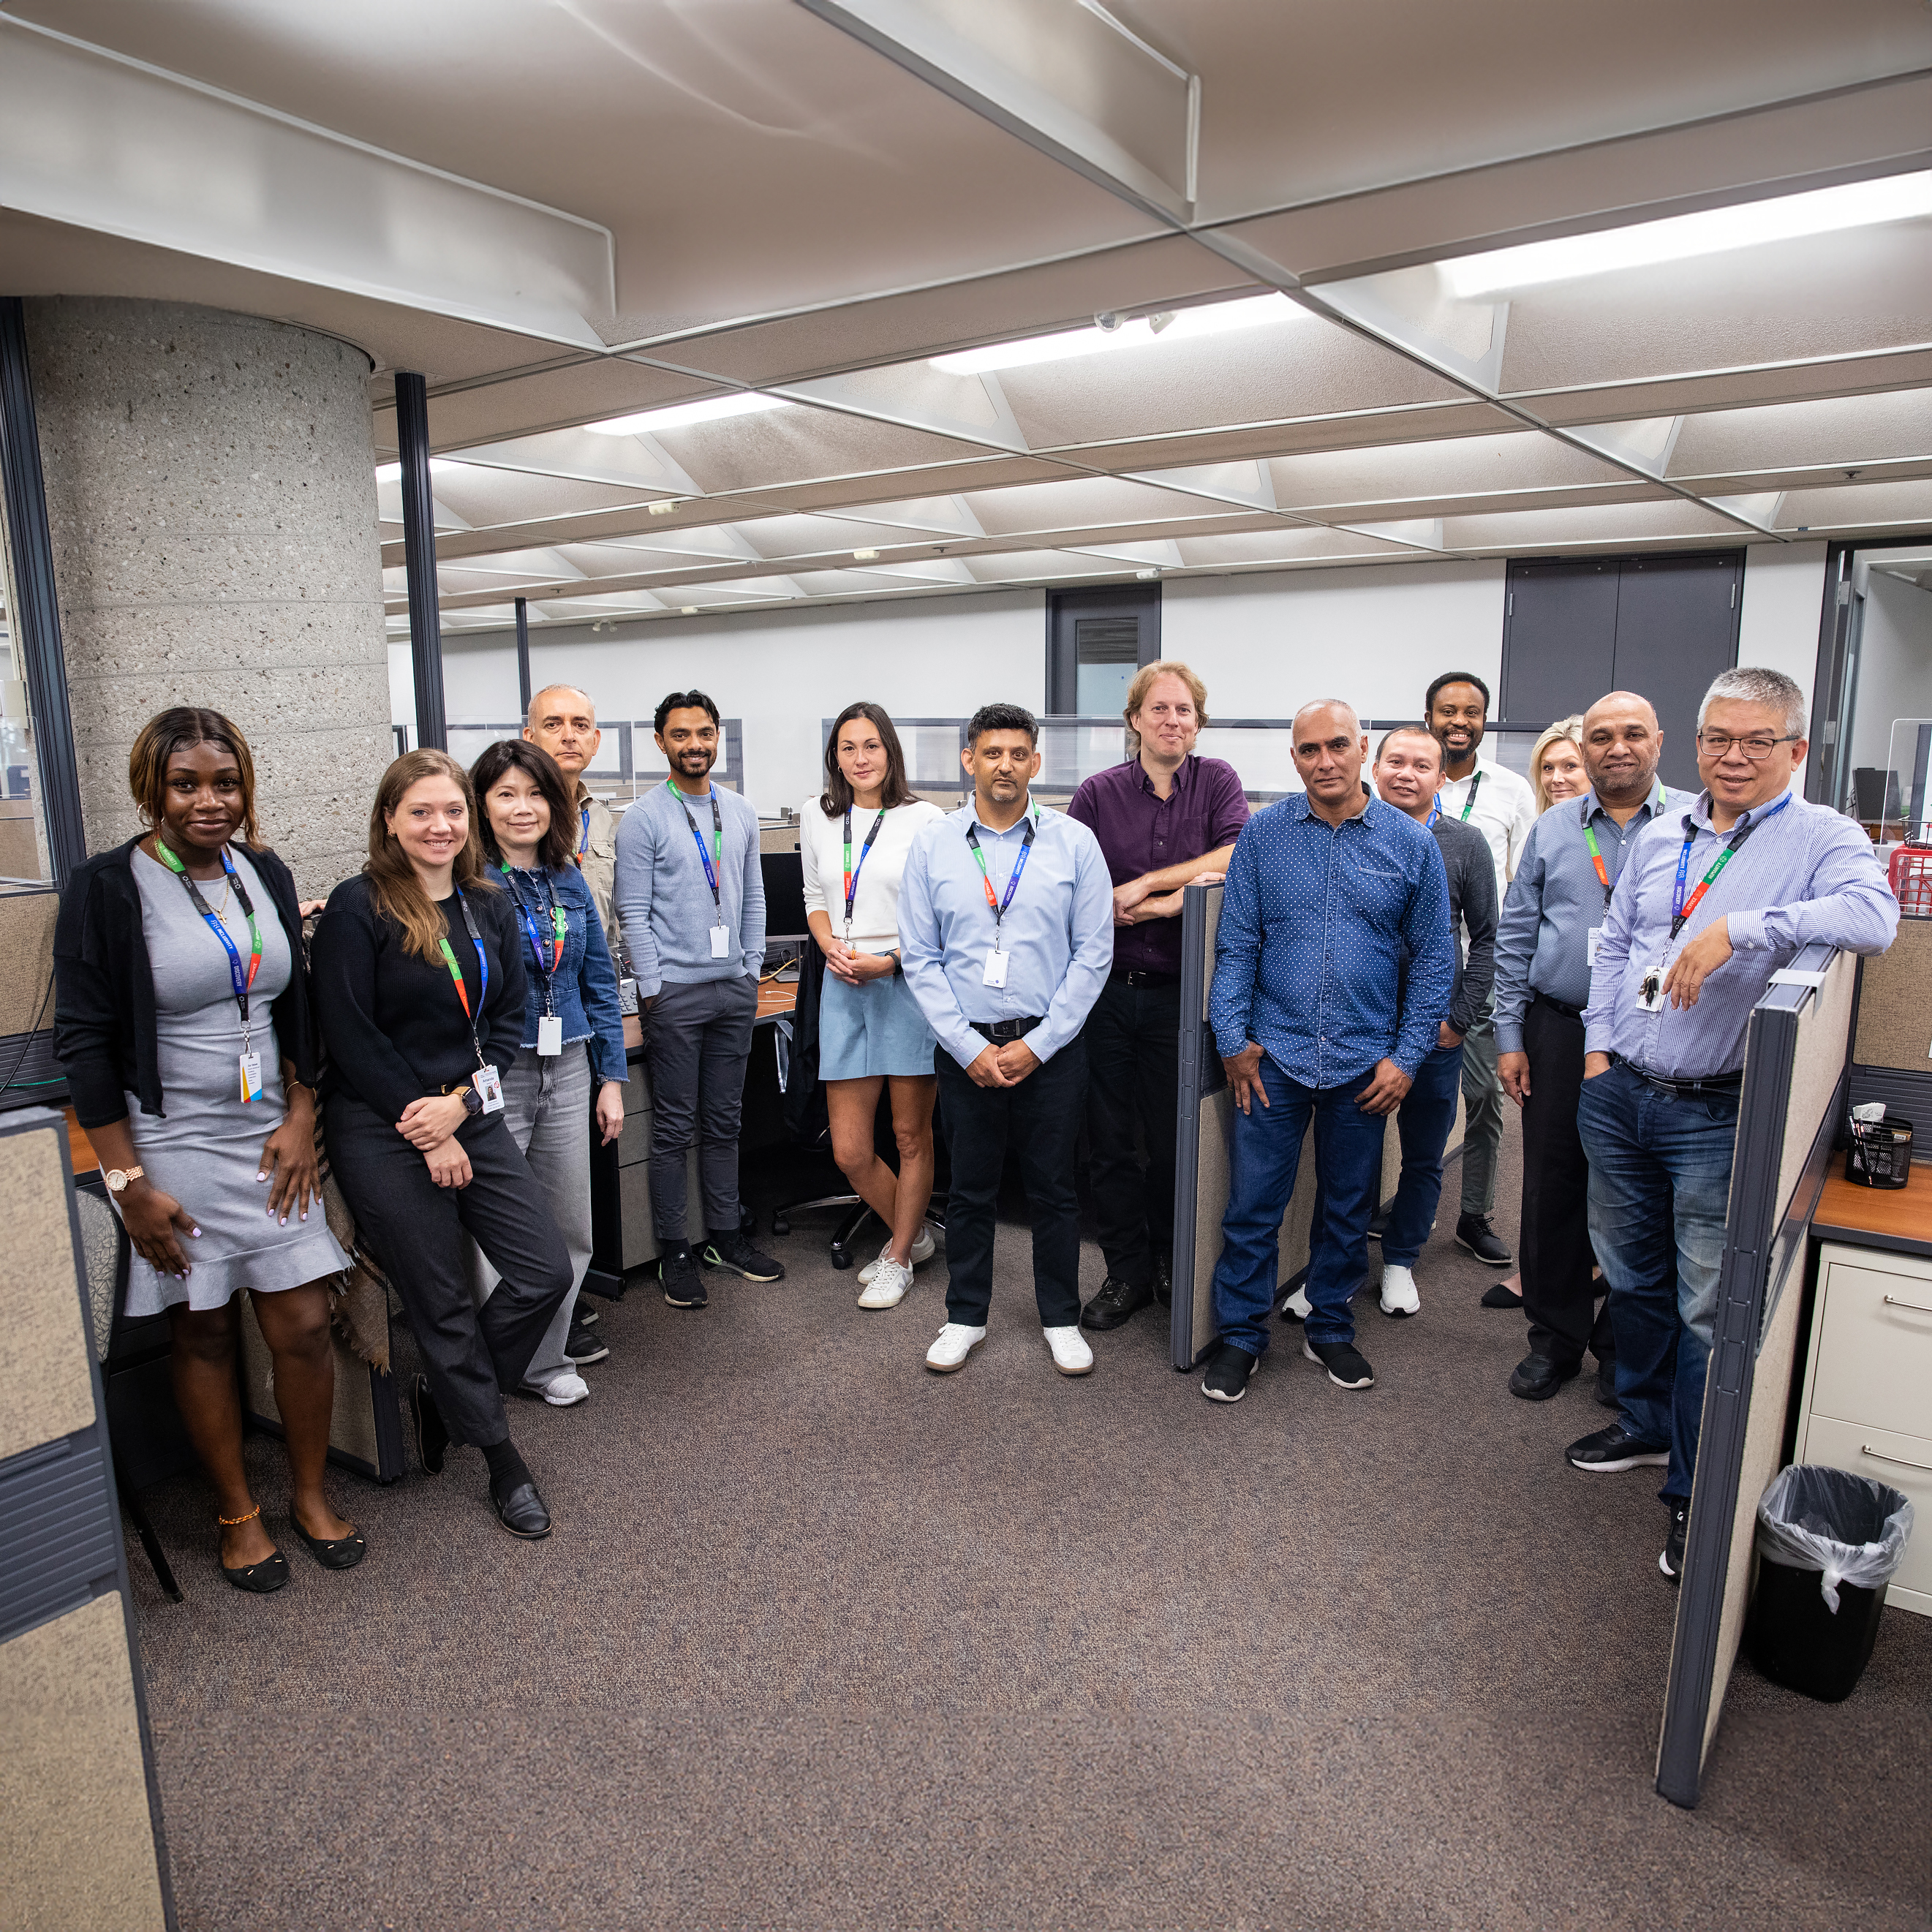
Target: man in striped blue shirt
(1315, 1019)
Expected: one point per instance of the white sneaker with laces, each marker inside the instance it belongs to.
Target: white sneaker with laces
(1071, 1355)
(1299, 1302)
(1399, 1295)
(886, 1288)
(951, 1345)
(564, 1391)
(923, 1249)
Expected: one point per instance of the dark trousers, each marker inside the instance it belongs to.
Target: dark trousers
(1041, 1118)
(1559, 1294)
(1427, 1113)
(697, 1038)
(415, 1229)
(1133, 1073)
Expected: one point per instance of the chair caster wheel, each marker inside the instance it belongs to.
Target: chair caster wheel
(841, 1258)
(780, 1226)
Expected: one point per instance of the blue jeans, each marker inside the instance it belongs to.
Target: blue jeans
(1265, 1154)
(1427, 1114)
(1660, 1166)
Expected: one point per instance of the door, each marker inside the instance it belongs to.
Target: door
(1095, 640)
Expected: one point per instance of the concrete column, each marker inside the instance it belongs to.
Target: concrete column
(210, 488)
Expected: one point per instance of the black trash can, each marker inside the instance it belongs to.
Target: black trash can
(1828, 1543)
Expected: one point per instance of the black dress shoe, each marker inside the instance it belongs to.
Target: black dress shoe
(432, 1433)
(1536, 1378)
(340, 1553)
(520, 1511)
(1117, 1302)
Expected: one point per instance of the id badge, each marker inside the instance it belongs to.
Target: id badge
(489, 1085)
(1650, 994)
(996, 968)
(251, 1075)
(1592, 940)
(721, 942)
(550, 1035)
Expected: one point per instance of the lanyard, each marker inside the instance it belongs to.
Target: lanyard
(718, 834)
(560, 922)
(1680, 908)
(1469, 803)
(852, 872)
(1603, 878)
(1000, 905)
(1435, 812)
(241, 981)
(583, 832)
(456, 973)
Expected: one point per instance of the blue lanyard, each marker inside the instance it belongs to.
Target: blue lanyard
(1013, 884)
(1435, 813)
(547, 965)
(583, 830)
(717, 833)
(852, 871)
(1681, 910)
(242, 981)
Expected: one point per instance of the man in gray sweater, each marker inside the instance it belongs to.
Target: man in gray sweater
(691, 900)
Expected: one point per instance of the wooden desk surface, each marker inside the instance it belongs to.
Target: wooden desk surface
(1897, 1218)
(776, 997)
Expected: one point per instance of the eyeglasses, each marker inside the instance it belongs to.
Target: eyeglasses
(1721, 744)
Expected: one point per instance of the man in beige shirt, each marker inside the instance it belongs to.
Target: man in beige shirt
(563, 721)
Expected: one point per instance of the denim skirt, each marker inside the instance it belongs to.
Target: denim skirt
(876, 1028)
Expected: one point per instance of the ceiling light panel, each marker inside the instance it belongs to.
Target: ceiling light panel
(796, 446)
(1039, 566)
(1608, 527)
(485, 499)
(685, 415)
(1168, 327)
(1288, 545)
(1858, 506)
(1082, 503)
(1838, 432)
(1464, 466)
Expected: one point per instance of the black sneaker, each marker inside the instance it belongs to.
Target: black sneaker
(1473, 1232)
(1343, 1361)
(1229, 1371)
(1538, 1378)
(1117, 1302)
(683, 1285)
(586, 1315)
(581, 1346)
(1612, 1450)
(1378, 1224)
(1163, 1281)
(1671, 1560)
(733, 1252)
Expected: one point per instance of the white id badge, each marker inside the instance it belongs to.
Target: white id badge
(251, 1074)
(721, 942)
(489, 1085)
(550, 1035)
(1592, 940)
(996, 967)
(1650, 993)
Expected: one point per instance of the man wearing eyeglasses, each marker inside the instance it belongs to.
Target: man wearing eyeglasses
(1711, 902)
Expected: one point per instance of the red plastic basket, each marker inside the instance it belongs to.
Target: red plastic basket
(1912, 880)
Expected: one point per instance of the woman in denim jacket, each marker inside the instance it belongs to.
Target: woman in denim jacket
(573, 1032)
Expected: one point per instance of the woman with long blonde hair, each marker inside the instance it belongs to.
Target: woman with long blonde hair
(419, 988)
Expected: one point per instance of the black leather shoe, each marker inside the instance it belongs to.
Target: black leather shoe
(1607, 1384)
(262, 1579)
(521, 1511)
(1473, 1234)
(1163, 1282)
(1117, 1302)
(432, 1433)
(1536, 1378)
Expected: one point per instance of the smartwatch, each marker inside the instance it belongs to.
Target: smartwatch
(472, 1101)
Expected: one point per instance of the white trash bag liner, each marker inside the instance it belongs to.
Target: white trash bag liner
(1852, 1529)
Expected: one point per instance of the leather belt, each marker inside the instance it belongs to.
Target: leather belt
(1134, 976)
(1000, 1031)
(1568, 1012)
(1685, 1090)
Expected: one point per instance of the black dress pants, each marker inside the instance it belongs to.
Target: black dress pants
(1041, 1118)
(415, 1229)
(1559, 1296)
(1133, 1076)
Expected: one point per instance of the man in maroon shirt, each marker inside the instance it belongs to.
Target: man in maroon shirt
(1163, 817)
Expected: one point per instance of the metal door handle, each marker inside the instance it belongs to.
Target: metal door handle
(1880, 1455)
(1899, 1301)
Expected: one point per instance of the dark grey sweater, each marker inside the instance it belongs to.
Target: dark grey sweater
(1466, 858)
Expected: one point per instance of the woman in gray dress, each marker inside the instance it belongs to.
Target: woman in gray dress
(182, 1023)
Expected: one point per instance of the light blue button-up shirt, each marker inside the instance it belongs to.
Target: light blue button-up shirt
(1805, 874)
(1057, 934)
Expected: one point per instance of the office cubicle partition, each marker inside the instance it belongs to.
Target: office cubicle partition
(1789, 1116)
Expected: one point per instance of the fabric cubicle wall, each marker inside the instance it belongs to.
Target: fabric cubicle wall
(1788, 1119)
(1205, 1109)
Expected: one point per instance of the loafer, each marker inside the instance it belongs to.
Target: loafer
(1610, 1451)
(432, 1433)
(1118, 1301)
(520, 1511)
(1071, 1355)
(951, 1345)
(340, 1553)
(1230, 1370)
(1538, 1378)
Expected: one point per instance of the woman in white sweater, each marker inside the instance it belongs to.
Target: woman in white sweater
(853, 845)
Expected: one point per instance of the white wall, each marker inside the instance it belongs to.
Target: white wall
(1783, 607)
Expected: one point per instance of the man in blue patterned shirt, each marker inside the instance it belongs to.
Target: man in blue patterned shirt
(1315, 1019)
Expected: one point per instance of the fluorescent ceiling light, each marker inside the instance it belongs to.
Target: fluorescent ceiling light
(1679, 237)
(681, 416)
(1217, 319)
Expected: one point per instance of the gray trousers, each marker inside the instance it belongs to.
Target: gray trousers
(697, 1039)
(1483, 1114)
(546, 1109)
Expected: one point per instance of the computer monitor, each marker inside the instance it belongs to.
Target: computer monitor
(785, 896)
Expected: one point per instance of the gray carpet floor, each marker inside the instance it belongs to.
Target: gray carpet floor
(822, 1640)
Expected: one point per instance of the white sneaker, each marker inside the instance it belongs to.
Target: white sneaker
(563, 1391)
(1298, 1305)
(923, 1249)
(951, 1345)
(886, 1288)
(1399, 1295)
(1071, 1355)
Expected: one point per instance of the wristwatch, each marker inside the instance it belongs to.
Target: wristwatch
(472, 1101)
(119, 1178)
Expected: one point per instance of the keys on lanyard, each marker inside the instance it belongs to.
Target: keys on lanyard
(852, 872)
(489, 1082)
(996, 960)
(242, 980)
(720, 935)
(549, 1028)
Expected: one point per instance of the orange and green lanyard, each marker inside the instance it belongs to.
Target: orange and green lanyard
(1603, 878)
(482, 971)
(1000, 905)
(851, 872)
(242, 981)
(1681, 909)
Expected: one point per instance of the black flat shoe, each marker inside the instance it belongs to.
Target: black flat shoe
(521, 1511)
(1499, 1294)
(260, 1579)
(432, 1433)
(343, 1553)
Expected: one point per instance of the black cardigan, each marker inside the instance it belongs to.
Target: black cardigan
(105, 1034)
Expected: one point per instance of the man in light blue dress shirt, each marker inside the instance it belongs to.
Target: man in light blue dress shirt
(1698, 922)
(1007, 934)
